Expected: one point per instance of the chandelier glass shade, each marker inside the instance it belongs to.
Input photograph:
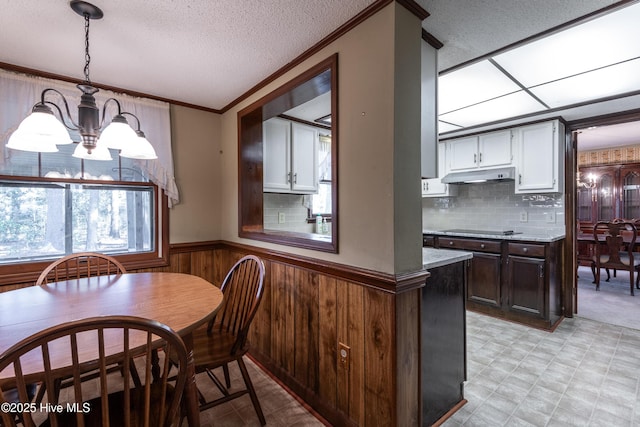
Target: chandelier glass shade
(42, 131)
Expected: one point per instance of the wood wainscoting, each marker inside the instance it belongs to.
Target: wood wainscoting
(312, 306)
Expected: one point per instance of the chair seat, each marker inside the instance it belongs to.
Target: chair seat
(213, 350)
(624, 259)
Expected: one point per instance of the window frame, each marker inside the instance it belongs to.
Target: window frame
(250, 179)
(24, 272)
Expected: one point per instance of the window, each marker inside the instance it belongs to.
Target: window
(52, 218)
(263, 147)
(53, 204)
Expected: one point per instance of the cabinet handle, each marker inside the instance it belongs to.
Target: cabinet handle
(480, 158)
(295, 178)
(519, 179)
(525, 250)
(427, 184)
(541, 270)
(482, 246)
(475, 158)
(450, 243)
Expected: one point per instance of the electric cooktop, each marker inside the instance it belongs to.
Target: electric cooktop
(490, 232)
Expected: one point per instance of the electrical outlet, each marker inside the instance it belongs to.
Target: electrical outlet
(524, 217)
(280, 217)
(344, 355)
(551, 217)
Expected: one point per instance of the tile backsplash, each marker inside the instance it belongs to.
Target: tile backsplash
(293, 208)
(494, 206)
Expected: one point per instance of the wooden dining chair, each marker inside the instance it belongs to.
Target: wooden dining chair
(94, 343)
(224, 339)
(75, 266)
(81, 264)
(615, 251)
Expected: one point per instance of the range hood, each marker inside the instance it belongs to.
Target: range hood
(480, 175)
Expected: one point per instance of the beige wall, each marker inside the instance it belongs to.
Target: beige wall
(380, 210)
(195, 136)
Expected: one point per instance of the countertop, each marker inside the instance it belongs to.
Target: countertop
(529, 237)
(432, 258)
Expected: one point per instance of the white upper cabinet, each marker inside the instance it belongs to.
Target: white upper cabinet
(304, 155)
(495, 149)
(434, 187)
(290, 153)
(540, 163)
(276, 154)
(462, 153)
(484, 151)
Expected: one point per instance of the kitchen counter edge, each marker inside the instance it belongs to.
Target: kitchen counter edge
(523, 236)
(433, 258)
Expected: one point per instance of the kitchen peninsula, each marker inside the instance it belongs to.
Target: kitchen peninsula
(515, 276)
(443, 333)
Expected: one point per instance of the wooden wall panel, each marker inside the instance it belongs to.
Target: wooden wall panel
(408, 357)
(380, 379)
(327, 349)
(306, 328)
(352, 327)
(202, 264)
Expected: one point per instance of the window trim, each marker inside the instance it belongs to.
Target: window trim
(25, 272)
(250, 184)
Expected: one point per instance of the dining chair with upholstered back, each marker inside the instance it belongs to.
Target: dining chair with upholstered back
(92, 344)
(224, 340)
(81, 264)
(616, 250)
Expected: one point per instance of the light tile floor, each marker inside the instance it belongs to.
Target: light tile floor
(279, 407)
(583, 374)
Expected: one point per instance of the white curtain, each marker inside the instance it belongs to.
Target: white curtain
(19, 92)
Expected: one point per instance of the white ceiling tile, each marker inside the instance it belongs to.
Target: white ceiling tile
(511, 105)
(476, 83)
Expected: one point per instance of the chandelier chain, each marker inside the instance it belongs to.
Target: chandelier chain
(87, 57)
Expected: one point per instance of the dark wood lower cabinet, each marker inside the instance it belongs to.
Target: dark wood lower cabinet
(485, 279)
(515, 280)
(443, 330)
(526, 291)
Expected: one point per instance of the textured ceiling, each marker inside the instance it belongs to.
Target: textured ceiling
(201, 52)
(209, 53)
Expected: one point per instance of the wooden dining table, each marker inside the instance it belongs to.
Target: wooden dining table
(181, 301)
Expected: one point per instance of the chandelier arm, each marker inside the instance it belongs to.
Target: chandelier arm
(66, 107)
(135, 117)
(104, 109)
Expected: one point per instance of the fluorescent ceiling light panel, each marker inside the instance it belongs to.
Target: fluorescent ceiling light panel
(609, 39)
(511, 105)
(469, 85)
(617, 79)
(447, 127)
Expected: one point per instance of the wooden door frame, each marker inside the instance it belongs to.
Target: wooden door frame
(569, 293)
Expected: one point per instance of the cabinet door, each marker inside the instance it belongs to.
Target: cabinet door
(630, 192)
(434, 187)
(462, 153)
(276, 155)
(605, 196)
(304, 152)
(537, 158)
(484, 279)
(494, 149)
(526, 286)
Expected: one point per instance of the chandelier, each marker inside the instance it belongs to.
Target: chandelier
(42, 131)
